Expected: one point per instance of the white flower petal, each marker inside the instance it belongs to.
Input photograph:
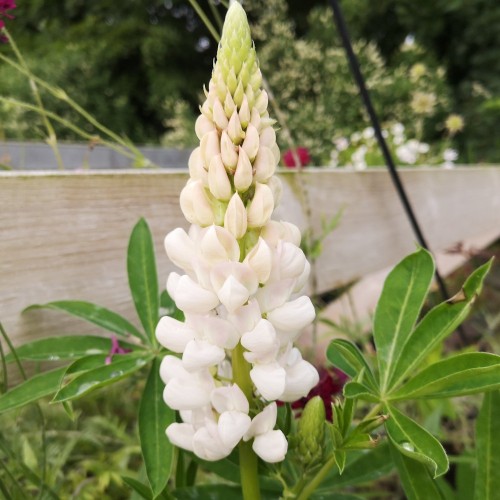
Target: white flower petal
(171, 367)
(260, 259)
(172, 282)
(200, 354)
(271, 446)
(262, 422)
(261, 342)
(191, 297)
(246, 317)
(208, 445)
(174, 334)
(180, 249)
(233, 294)
(269, 380)
(181, 435)
(274, 294)
(293, 315)
(188, 392)
(301, 377)
(229, 398)
(232, 426)
(218, 244)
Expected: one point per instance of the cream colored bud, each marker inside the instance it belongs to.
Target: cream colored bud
(235, 220)
(262, 102)
(206, 110)
(264, 165)
(195, 204)
(260, 259)
(221, 89)
(255, 119)
(232, 81)
(202, 126)
(228, 152)
(243, 177)
(219, 115)
(210, 147)
(244, 113)
(250, 95)
(261, 207)
(218, 181)
(234, 129)
(229, 105)
(251, 142)
(238, 94)
(267, 137)
(256, 79)
(196, 167)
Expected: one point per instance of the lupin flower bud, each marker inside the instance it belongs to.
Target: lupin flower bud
(311, 432)
(241, 271)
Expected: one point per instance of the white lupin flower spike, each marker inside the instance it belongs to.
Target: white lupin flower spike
(235, 349)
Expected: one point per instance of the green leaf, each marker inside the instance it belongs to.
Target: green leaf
(455, 376)
(436, 326)
(121, 367)
(65, 347)
(93, 313)
(143, 277)
(32, 389)
(359, 391)
(367, 466)
(415, 478)
(415, 442)
(140, 488)
(487, 485)
(398, 308)
(154, 417)
(340, 460)
(346, 356)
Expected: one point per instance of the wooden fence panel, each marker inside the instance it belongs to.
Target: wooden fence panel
(64, 235)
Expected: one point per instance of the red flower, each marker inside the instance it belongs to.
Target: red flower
(331, 382)
(302, 153)
(5, 5)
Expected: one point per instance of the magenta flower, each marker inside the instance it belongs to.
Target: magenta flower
(302, 153)
(5, 6)
(330, 384)
(115, 349)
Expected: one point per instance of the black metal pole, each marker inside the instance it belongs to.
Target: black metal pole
(365, 96)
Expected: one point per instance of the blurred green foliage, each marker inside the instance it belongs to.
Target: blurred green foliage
(138, 66)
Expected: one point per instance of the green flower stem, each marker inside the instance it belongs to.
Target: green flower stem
(248, 459)
(205, 20)
(312, 485)
(51, 134)
(68, 124)
(61, 95)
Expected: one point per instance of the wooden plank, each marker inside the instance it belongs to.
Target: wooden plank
(64, 235)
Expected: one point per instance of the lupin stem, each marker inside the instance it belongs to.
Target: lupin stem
(248, 459)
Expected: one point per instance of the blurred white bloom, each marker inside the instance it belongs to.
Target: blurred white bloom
(450, 155)
(368, 133)
(342, 143)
